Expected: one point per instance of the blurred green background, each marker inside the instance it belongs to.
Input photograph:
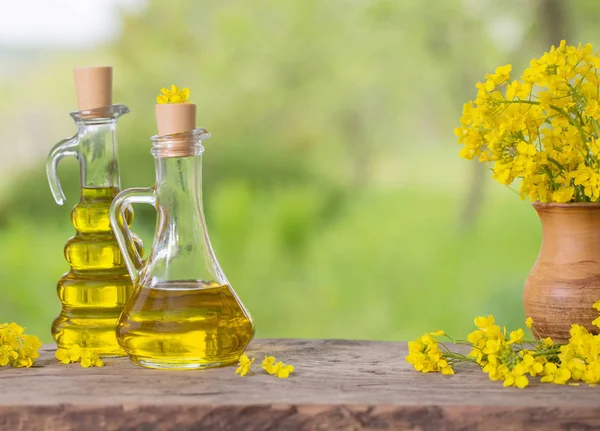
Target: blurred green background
(334, 194)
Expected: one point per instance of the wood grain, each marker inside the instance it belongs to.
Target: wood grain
(564, 282)
(338, 385)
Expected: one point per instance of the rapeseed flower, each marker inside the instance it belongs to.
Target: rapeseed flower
(87, 357)
(277, 368)
(543, 128)
(269, 364)
(282, 370)
(7, 355)
(244, 365)
(529, 322)
(173, 95)
(425, 355)
(510, 357)
(17, 348)
(90, 358)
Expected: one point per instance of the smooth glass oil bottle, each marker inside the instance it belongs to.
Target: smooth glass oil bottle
(94, 291)
(184, 313)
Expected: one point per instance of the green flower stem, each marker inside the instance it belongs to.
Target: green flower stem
(562, 112)
(548, 352)
(459, 358)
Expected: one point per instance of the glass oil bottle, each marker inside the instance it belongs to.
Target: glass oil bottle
(184, 313)
(94, 291)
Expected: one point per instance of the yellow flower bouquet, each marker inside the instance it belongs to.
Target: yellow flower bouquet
(542, 128)
(541, 132)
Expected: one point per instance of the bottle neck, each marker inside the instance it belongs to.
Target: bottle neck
(98, 154)
(182, 249)
(179, 187)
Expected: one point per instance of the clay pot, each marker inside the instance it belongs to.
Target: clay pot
(565, 279)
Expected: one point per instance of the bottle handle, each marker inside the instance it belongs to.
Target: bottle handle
(123, 234)
(65, 148)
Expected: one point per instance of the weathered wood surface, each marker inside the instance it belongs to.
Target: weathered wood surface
(338, 385)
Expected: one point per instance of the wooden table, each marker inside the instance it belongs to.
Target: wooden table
(338, 385)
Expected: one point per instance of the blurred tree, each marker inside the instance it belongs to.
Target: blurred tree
(553, 15)
(332, 154)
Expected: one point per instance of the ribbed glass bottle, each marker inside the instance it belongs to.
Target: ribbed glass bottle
(97, 286)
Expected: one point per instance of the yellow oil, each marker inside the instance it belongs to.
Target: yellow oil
(184, 325)
(94, 291)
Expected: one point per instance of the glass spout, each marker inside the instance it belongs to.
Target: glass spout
(94, 145)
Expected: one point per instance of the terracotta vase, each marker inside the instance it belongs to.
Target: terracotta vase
(565, 279)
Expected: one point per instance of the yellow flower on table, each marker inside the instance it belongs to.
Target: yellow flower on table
(516, 377)
(554, 374)
(63, 356)
(277, 368)
(31, 345)
(16, 348)
(591, 375)
(23, 361)
(445, 367)
(90, 358)
(533, 365)
(27, 351)
(244, 365)
(577, 367)
(268, 364)
(7, 354)
(425, 355)
(282, 370)
(86, 357)
(74, 353)
(10, 334)
(509, 357)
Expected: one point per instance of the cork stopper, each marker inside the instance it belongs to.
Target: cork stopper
(94, 87)
(175, 118)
